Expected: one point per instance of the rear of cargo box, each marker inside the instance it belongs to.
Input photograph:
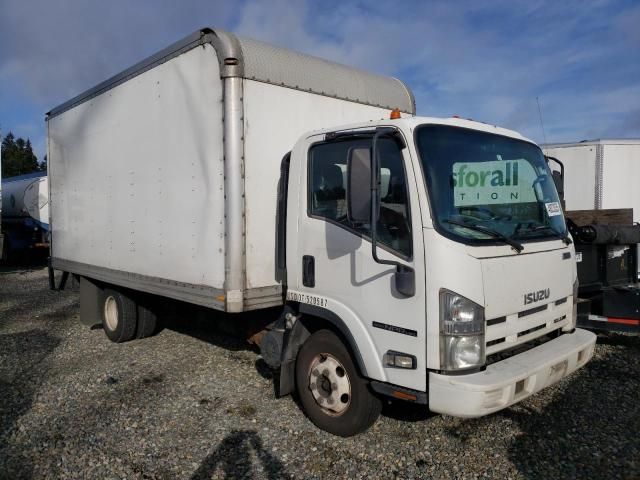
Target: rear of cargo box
(137, 181)
(580, 163)
(621, 176)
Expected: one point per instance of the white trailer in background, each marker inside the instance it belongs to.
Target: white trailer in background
(220, 172)
(600, 174)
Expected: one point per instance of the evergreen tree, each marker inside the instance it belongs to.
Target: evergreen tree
(18, 157)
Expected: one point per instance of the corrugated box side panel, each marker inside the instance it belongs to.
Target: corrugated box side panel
(274, 119)
(580, 175)
(137, 175)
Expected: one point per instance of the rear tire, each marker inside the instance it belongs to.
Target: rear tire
(4, 254)
(119, 316)
(334, 395)
(147, 320)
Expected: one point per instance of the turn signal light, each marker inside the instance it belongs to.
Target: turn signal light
(404, 396)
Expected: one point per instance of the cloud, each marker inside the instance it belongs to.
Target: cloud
(484, 60)
(54, 50)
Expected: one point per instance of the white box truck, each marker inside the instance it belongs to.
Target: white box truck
(600, 174)
(419, 258)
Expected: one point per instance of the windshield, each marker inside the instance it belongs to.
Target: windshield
(485, 186)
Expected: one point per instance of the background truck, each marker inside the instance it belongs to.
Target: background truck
(602, 202)
(418, 258)
(600, 174)
(607, 259)
(25, 215)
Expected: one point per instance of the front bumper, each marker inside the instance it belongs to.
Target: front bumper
(509, 381)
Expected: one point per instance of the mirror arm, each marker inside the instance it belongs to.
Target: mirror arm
(375, 194)
(404, 276)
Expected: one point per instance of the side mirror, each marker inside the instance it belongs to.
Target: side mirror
(559, 181)
(558, 176)
(359, 185)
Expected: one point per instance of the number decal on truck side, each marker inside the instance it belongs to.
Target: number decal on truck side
(309, 299)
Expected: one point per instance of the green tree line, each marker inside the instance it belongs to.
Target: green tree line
(18, 157)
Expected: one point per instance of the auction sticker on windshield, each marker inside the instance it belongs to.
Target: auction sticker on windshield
(553, 209)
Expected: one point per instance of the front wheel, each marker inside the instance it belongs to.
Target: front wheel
(334, 396)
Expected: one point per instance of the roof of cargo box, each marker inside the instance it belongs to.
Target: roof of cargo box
(254, 60)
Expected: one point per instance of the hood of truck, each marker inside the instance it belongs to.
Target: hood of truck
(542, 273)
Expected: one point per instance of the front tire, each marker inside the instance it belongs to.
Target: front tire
(119, 316)
(334, 395)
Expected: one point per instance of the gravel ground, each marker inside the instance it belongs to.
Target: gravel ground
(191, 403)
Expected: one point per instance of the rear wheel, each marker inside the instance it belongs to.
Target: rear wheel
(334, 396)
(147, 320)
(119, 316)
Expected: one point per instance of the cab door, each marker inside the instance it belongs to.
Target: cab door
(330, 266)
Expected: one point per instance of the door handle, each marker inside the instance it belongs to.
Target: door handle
(308, 271)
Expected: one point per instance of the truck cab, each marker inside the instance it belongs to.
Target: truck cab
(462, 295)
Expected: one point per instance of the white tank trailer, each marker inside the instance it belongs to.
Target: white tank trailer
(27, 196)
(25, 213)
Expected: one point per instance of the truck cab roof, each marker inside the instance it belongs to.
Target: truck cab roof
(411, 122)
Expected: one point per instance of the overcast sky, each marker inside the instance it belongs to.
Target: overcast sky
(487, 60)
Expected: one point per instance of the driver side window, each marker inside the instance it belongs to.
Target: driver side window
(327, 191)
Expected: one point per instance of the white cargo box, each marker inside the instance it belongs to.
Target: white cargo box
(600, 174)
(164, 178)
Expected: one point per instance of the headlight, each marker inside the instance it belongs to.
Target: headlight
(461, 332)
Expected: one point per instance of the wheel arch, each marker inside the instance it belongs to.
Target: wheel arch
(331, 321)
(313, 318)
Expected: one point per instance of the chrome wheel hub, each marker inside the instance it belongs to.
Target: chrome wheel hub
(111, 313)
(329, 384)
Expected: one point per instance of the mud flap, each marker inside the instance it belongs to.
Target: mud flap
(90, 305)
(294, 337)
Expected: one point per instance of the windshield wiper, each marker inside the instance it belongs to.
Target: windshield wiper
(546, 228)
(517, 246)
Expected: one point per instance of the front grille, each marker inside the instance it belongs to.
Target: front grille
(509, 331)
(531, 330)
(531, 311)
(495, 321)
(522, 347)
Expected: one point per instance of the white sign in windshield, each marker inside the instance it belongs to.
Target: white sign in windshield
(494, 182)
